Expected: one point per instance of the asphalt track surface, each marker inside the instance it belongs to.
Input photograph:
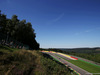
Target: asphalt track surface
(77, 69)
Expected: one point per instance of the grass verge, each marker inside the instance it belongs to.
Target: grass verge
(84, 65)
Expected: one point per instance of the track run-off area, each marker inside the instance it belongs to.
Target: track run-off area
(79, 66)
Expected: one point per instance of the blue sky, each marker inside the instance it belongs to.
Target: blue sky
(59, 23)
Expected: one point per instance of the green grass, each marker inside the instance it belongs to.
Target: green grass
(7, 49)
(27, 62)
(74, 73)
(92, 68)
(86, 66)
(90, 56)
(16, 61)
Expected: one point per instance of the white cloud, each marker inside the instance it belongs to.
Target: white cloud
(87, 31)
(59, 17)
(78, 33)
(55, 20)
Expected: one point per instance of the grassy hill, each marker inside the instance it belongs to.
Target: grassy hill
(27, 62)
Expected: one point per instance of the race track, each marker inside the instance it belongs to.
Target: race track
(62, 58)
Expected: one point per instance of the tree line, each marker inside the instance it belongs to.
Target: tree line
(21, 31)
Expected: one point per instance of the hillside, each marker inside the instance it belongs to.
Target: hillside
(26, 62)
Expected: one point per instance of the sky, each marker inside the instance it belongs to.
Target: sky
(59, 23)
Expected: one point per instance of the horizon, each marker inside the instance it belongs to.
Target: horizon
(59, 23)
(71, 48)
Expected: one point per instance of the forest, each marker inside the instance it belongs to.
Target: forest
(21, 31)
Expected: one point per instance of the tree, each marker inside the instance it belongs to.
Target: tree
(19, 30)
